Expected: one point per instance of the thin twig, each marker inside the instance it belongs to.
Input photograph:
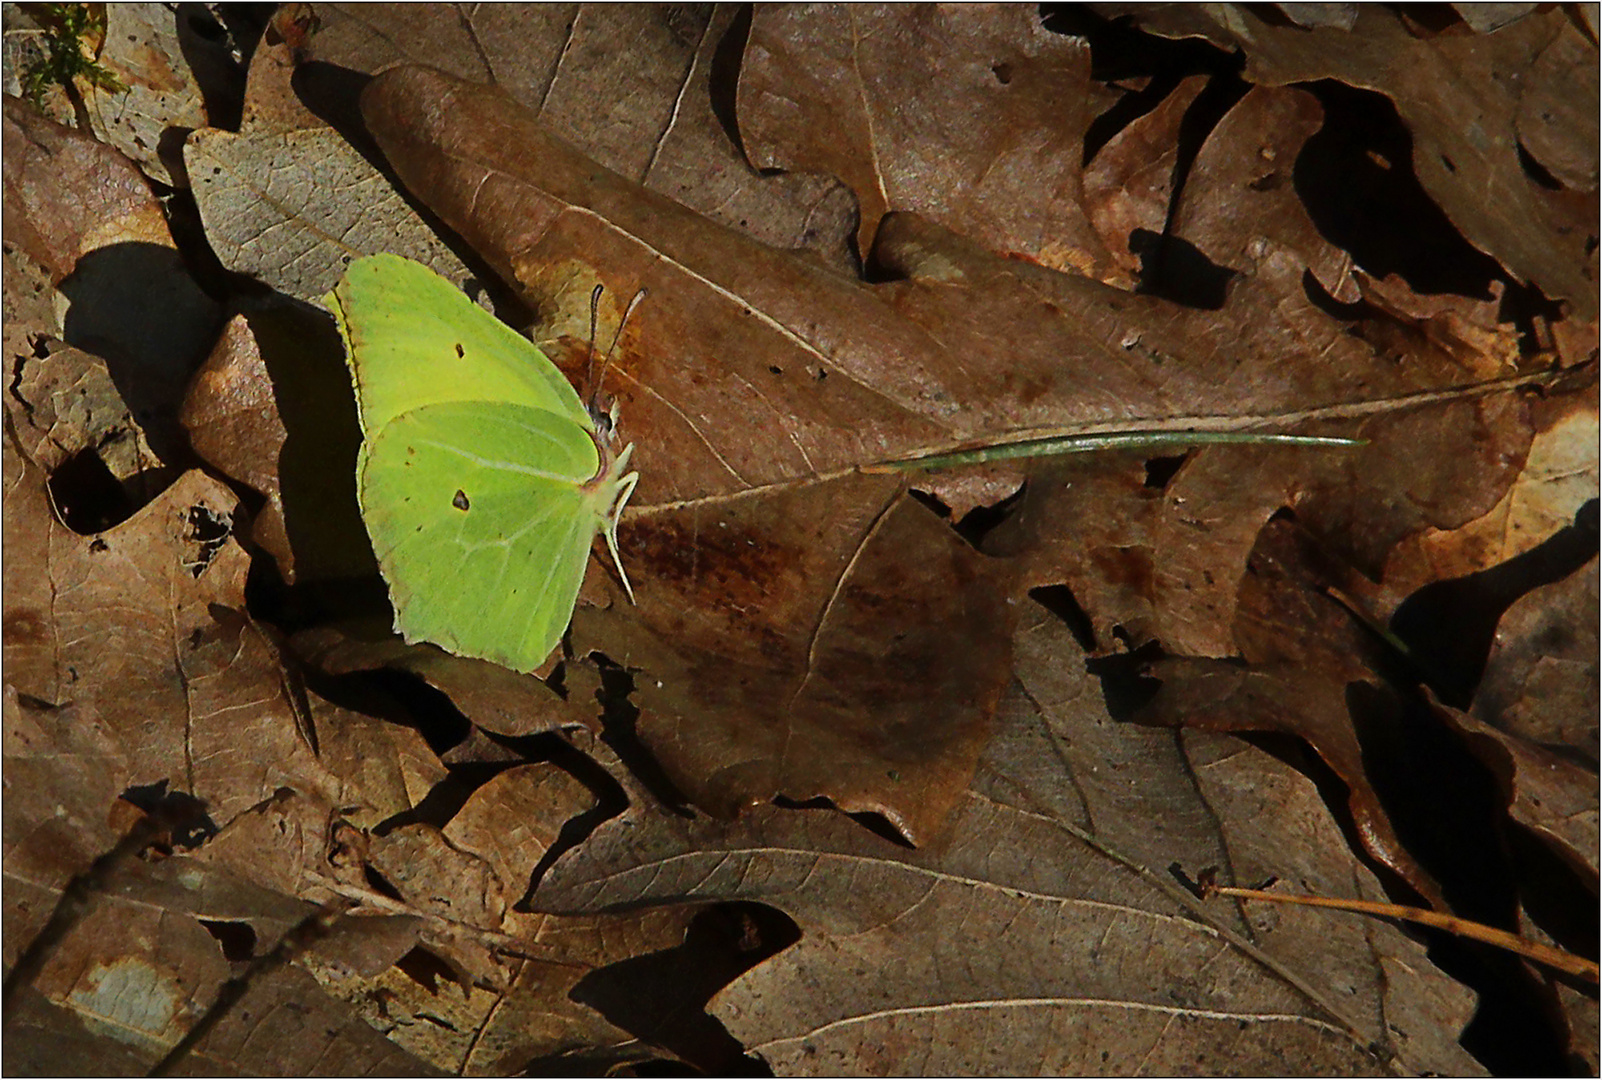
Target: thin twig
(1502, 939)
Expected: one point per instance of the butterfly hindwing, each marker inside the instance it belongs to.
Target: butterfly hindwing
(482, 526)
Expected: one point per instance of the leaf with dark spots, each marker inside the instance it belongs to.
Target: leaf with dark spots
(1539, 682)
(821, 637)
(70, 404)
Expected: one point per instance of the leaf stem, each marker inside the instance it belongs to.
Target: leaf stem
(1053, 446)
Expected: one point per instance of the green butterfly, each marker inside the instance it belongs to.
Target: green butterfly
(483, 479)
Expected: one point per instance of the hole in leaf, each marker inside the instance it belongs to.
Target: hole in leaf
(979, 522)
(1160, 470)
(184, 815)
(209, 530)
(238, 939)
(87, 496)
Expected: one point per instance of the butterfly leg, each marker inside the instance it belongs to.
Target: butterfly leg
(625, 488)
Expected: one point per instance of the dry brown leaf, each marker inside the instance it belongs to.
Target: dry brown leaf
(233, 423)
(68, 404)
(149, 957)
(643, 90)
(969, 117)
(1457, 94)
(1129, 184)
(302, 246)
(84, 213)
(1553, 797)
(1027, 916)
(1540, 681)
(493, 698)
(1559, 476)
(1240, 205)
(149, 50)
(63, 774)
(805, 630)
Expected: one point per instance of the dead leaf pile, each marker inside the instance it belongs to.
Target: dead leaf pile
(886, 772)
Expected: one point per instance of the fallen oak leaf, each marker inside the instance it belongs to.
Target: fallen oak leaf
(742, 429)
(1452, 90)
(973, 117)
(1042, 908)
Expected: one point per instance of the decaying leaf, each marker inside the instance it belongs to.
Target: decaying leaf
(888, 770)
(1080, 936)
(970, 118)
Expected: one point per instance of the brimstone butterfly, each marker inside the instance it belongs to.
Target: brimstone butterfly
(483, 479)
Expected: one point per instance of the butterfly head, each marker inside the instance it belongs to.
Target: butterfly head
(603, 410)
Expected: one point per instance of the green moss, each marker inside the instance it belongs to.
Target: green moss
(66, 60)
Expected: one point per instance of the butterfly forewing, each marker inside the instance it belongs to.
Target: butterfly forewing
(415, 340)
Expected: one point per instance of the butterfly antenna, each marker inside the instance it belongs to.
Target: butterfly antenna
(595, 387)
(595, 306)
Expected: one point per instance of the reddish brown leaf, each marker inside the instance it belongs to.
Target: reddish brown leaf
(1454, 91)
(233, 423)
(1540, 681)
(1034, 914)
(969, 117)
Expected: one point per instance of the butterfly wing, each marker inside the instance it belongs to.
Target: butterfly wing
(413, 339)
(482, 523)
